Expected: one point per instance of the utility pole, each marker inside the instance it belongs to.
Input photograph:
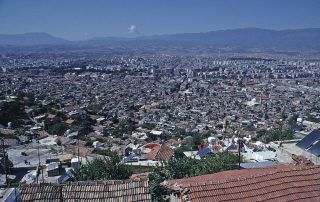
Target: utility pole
(39, 152)
(39, 165)
(38, 171)
(78, 146)
(4, 160)
(78, 149)
(240, 145)
(239, 152)
(78, 142)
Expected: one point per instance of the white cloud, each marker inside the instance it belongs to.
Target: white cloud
(132, 29)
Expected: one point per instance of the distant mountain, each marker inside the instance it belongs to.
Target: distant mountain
(30, 39)
(233, 39)
(250, 38)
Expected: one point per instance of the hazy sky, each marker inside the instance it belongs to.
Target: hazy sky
(81, 19)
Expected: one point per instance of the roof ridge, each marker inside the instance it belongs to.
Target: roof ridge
(91, 182)
(243, 191)
(235, 179)
(137, 189)
(253, 195)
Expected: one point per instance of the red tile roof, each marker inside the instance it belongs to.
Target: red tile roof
(158, 152)
(69, 121)
(164, 153)
(42, 133)
(154, 151)
(51, 116)
(280, 183)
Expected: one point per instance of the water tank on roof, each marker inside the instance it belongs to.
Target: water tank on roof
(137, 151)
(212, 140)
(75, 163)
(67, 132)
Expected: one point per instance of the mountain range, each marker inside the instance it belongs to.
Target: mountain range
(244, 39)
(30, 39)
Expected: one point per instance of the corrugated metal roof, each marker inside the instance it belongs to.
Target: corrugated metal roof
(309, 139)
(259, 164)
(315, 149)
(204, 152)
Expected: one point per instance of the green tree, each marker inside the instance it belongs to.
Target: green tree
(292, 120)
(57, 128)
(108, 168)
(179, 133)
(148, 126)
(180, 167)
(123, 128)
(6, 161)
(178, 153)
(275, 135)
(249, 128)
(155, 178)
(12, 112)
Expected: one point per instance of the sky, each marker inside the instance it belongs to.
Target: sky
(83, 19)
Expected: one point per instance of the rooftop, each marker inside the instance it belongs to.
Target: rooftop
(113, 190)
(279, 183)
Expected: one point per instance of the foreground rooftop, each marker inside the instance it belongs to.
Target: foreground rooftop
(279, 183)
(112, 190)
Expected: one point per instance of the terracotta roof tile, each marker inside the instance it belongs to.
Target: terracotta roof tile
(69, 121)
(281, 183)
(51, 116)
(165, 153)
(128, 190)
(42, 133)
(154, 151)
(158, 152)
